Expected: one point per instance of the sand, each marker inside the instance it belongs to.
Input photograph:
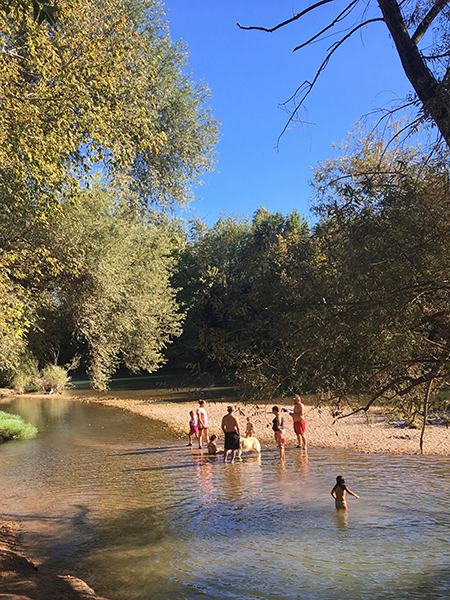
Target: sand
(371, 433)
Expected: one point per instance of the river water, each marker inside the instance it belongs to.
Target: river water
(110, 497)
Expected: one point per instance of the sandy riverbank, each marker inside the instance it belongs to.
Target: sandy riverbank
(373, 433)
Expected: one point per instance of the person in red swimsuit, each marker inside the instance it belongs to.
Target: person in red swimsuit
(298, 416)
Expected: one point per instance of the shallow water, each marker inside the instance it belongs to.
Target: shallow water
(109, 497)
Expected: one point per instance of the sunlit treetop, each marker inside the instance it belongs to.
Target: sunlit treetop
(101, 88)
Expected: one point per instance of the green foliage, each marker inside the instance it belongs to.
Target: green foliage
(103, 89)
(119, 308)
(54, 378)
(24, 376)
(13, 426)
(232, 279)
(103, 94)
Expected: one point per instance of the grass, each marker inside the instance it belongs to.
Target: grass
(14, 427)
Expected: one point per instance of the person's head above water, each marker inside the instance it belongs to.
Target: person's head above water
(340, 481)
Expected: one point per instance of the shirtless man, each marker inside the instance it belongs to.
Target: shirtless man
(298, 417)
(202, 423)
(230, 427)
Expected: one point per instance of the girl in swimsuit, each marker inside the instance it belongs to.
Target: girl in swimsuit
(279, 430)
(193, 427)
(338, 493)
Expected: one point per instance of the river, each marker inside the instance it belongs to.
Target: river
(112, 498)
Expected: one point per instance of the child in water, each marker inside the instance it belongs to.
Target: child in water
(212, 445)
(249, 429)
(338, 493)
(193, 427)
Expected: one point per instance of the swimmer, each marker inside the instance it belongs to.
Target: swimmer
(338, 493)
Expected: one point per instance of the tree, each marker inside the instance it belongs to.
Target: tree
(384, 235)
(101, 92)
(425, 58)
(114, 304)
(241, 316)
(105, 90)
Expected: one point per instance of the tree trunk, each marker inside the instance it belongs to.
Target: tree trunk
(425, 413)
(432, 93)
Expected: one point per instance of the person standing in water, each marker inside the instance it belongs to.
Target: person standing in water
(193, 427)
(298, 416)
(202, 423)
(279, 430)
(230, 427)
(338, 493)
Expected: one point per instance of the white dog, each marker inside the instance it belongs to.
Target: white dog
(250, 444)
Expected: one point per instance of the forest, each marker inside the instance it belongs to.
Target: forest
(103, 134)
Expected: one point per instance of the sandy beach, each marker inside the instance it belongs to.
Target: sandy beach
(371, 433)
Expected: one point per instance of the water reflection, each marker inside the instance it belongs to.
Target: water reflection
(105, 496)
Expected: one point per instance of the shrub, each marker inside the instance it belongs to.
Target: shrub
(54, 378)
(13, 426)
(26, 377)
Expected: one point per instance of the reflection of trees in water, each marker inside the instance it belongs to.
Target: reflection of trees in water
(38, 411)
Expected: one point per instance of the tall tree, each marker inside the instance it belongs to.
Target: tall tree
(384, 236)
(104, 90)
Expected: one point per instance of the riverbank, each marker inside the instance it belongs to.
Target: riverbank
(21, 580)
(371, 433)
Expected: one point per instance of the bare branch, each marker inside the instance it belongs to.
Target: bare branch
(341, 16)
(309, 85)
(291, 20)
(429, 18)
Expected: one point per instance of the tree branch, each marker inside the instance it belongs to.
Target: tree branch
(429, 18)
(291, 20)
(309, 85)
(341, 16)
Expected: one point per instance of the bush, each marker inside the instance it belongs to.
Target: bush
(26, 377)
(13, 427)
(54, 378)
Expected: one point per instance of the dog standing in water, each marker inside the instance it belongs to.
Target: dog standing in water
(250, 444)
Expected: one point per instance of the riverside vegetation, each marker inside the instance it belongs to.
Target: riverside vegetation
(106, 135)
(14, 427)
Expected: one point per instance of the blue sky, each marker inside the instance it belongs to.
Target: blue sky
(250, 72)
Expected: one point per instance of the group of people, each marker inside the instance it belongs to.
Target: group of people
(198, 429)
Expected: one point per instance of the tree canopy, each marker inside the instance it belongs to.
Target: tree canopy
(96, 105)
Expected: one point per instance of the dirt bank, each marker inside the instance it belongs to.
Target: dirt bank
(21, 580)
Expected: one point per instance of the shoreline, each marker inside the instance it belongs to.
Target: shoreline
(371, 433)
(22, 580)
